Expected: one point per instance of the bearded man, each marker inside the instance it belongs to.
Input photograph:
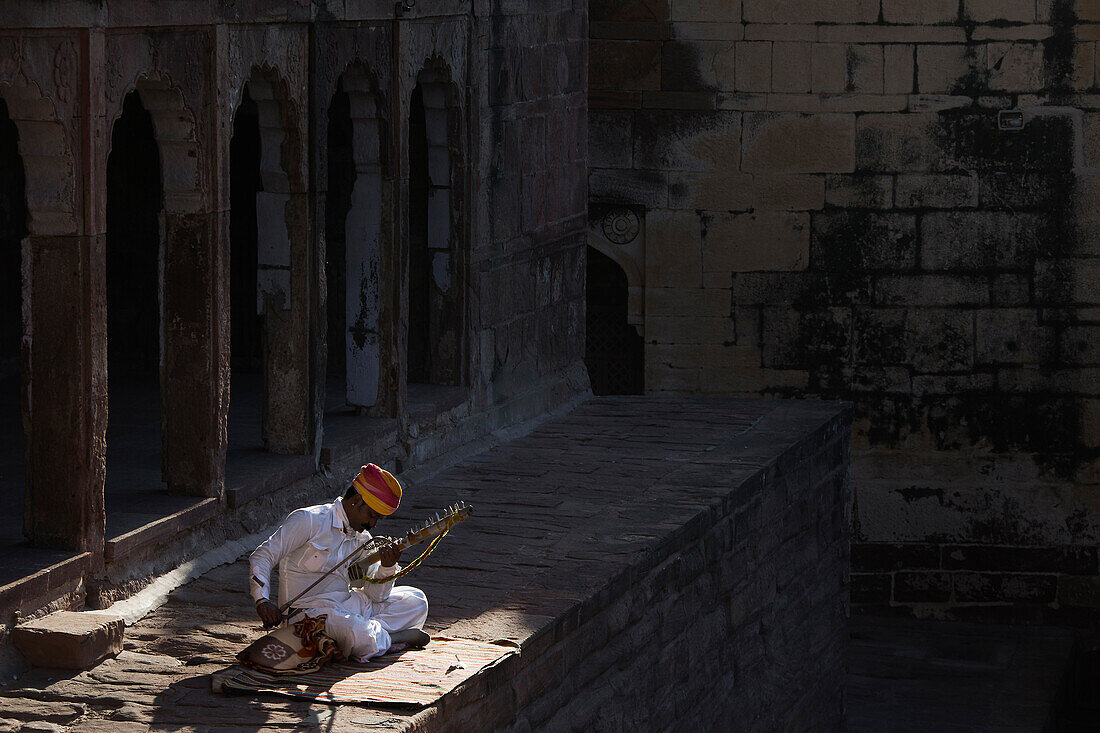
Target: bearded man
(364, 622)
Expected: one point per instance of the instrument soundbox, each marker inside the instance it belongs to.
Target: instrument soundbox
(440, 523)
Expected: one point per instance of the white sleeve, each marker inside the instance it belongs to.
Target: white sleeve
(294, 532)
(379, 592)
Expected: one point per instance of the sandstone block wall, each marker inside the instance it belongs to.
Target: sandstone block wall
(827, 206)
(734, 618)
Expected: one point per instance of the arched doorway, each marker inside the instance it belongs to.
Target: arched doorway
(246, 324)
(354, 237)
(13, 228)
(46, 277)
(135, 202)
(269, 289)
(436, 343)
(614, 352)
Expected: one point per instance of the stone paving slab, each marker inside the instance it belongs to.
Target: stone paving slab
(562, 515)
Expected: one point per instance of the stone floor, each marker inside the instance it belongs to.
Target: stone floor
(536, 522)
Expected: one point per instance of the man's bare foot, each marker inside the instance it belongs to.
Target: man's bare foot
(409, 637)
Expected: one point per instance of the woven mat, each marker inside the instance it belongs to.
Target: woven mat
(414, 677)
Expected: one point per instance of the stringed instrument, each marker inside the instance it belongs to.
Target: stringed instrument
(437, 525)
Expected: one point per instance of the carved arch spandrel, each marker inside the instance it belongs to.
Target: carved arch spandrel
(182, 155)
(279, 54)
(185, 58)
(41, 101)
(437, 45)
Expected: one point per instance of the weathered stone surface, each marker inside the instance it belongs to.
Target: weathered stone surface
(936, 192)
(673, 249)
(925, 11)
(716, 190)
(975, 241)
(625, 65)
(756, 242)
(69, 640)
(776, 143)
(985, 11)
(753, 67)
(889, 143)
(609, 138)
(39, 711)
(855, 240)
(43, 726)
(897, 63)
(788, 192)
(810, 11)
(697, 141)
(791, 67)
(860, 191)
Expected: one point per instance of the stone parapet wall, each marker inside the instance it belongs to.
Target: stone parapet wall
(827, 206)
(732, 617)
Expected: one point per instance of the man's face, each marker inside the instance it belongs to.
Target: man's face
(361, 516)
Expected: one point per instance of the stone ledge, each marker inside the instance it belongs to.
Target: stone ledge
(263, 473)
(69, 639)
(42, 586)
(119, 547)
(597, 620)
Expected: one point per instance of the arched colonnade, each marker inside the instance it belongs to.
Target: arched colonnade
(65, 376)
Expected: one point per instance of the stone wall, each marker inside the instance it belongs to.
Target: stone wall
(826, 204)
(732, 618)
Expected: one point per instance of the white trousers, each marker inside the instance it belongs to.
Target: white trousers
(362, 627)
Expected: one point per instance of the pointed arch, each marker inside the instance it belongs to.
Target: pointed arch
(55, 366)
(282, 263)
(437, 342)
(44, 147)
(187, 370)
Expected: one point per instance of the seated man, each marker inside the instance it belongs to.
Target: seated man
(364, 622)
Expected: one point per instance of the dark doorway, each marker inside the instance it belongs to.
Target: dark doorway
(246, 344)
(341, 181)
(13, 228)
(420, 326)
(134, 202)
(614, 352)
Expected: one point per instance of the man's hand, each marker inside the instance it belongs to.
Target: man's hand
(389, 554)
(269, 613)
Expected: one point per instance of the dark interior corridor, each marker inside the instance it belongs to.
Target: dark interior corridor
(246, 345)
(13, 221)
(135, 490)
(614, 352)
(341, 180)
(420, 347)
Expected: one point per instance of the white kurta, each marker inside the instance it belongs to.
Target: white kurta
(310, 542)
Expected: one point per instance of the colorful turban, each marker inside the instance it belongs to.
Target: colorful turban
(378, 488)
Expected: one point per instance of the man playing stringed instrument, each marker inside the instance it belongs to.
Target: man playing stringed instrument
(313, 541)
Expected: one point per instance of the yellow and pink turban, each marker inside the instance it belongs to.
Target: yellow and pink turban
(379, 489)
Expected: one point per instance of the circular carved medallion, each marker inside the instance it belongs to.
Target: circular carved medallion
(620, 226)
